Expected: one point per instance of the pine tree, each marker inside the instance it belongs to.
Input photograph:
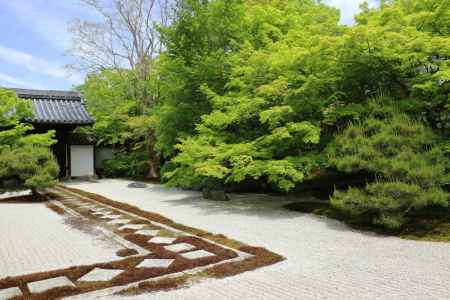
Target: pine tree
(26, 161)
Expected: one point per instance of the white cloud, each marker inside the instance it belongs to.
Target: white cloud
(49, 19)
(349, 8)
(51, 28)
(36, 64)
(10, 81)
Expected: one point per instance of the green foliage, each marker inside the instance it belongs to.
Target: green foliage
(132, 164)
(284, 78)
(122, 109)
(402, 154)
(264, 124)
(112, 99)
(25, 159)
(198, 45)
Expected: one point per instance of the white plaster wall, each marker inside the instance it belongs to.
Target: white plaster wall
(82, 160)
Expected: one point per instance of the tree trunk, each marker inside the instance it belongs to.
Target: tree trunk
(153, 162)
(35, 194)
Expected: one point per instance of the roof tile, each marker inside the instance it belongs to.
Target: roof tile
(57, 107)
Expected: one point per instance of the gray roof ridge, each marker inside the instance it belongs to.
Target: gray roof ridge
(49, 94)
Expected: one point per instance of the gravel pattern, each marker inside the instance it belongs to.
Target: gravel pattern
(325, 259)
(36, 239)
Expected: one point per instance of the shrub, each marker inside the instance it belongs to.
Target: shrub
(127, 164)
(409, 168)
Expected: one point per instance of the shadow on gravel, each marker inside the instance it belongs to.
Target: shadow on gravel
(263, 206)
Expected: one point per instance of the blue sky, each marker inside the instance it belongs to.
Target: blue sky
(35, 39)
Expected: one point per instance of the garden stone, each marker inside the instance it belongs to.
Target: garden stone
(216, 195)
(98, 274)
(197, 254)
(137, 185)
(179, 247)
(10, 293)
(162, 240)
(48, 284)
(155, 263)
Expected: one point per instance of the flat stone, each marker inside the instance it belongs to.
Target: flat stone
(102, 213)
(155, 263)
(197, 254)
(88, 205)
(10, 293)
(179, 247)
(112, 217)
(100, 275)
(162, 240)
(119, 221)
(137, 185)
(147, 232)
(132, 226)
(47, 284)
(99, 209)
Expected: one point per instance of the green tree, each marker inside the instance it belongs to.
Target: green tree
(121, 121)
(198, 44)
(401, 154)
(265, 123)
(25, 159)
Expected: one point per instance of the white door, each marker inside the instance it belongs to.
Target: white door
(81, 160)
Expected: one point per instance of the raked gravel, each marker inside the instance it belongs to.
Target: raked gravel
(34, 239)
(324, 258)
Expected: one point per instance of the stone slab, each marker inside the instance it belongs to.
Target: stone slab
(155, 263)
(102, 213)
(147, 232)
(48, 284)
(179, 247)
(132, 226)
(137, 185)
(10, 293)
(99, 209)
(119, 221)
(112, 217)
(99, 274)
(162, 240)
(197, 254)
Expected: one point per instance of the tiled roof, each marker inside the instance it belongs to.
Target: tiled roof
(57, 107)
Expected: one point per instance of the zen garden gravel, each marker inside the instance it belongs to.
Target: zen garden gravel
(324, 259)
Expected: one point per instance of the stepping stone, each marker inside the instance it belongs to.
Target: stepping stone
(10, 293)
(162, 240)
(47, 284)
(132, 226)
(197, 254)
(100, 275)
(102, 213)
(147, 232)
(155, 263)
(87, 206)
(119, 221)
(101, 209)
(179, 247)
(112, 217)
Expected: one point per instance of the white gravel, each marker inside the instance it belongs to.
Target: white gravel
(34, 239)
(325, 259)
